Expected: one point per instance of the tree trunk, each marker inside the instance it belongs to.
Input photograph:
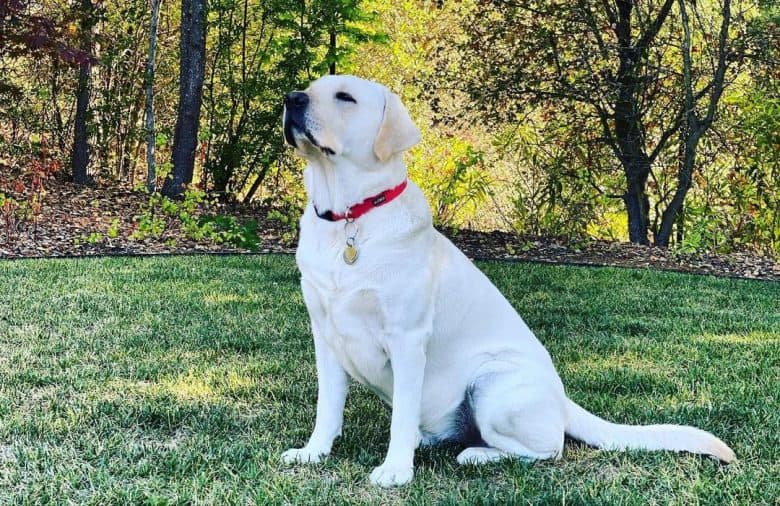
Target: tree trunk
(684, 182)
(151, 173)
(680, 225)
(255, 186)
(332, 66)
(191, 76)
(637, 206)
(636, 163)
(80, 151)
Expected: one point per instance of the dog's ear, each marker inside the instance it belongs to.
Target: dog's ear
(397, 132)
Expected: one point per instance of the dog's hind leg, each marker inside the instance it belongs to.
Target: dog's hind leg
(516, 418)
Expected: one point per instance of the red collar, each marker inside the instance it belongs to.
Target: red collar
(368, 204)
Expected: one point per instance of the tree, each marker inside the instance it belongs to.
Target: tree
(258, 54)
(150, 134)
(613, 61)
(119, 86)
(23, 33)
(80, 150)
(695, 124)
(192, 61)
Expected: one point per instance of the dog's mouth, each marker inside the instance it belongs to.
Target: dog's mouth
(291, 127)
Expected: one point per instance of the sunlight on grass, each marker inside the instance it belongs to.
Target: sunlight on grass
(224, 298)
(629, 361)
(7, 454)
(210, 385)
(754, 338)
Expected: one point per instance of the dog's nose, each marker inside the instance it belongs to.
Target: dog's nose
(296, 100)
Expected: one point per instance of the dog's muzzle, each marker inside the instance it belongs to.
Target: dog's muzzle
(295, 105)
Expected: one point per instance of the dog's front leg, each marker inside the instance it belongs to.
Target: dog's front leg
(331, 396)
(407, 359)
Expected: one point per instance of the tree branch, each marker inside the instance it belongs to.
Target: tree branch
(652, 31)
(666, 135)
(609, 11)
(689, 107)
(720, 73)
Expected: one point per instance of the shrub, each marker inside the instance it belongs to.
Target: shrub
(165, 219)
(22, 197)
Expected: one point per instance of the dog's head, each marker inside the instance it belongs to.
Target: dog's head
(349, 117)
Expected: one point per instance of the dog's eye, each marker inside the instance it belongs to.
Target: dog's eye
(345, 97)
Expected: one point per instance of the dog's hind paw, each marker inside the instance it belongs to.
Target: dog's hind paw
(303, 456)
(388, 475)
(480, 455)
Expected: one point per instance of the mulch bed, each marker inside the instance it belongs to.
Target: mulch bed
(482, 245)
(70, 214)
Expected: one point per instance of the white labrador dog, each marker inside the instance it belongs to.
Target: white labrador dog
(397, 307)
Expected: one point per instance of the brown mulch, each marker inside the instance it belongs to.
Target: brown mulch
(504, 246)
(70, 214)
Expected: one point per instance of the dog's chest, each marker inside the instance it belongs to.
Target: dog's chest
(345, 306)
(353, 328)
(349, 302)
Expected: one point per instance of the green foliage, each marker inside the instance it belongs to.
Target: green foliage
(227, 228)
(250, 75)
(93, 238)
(286, 204)
(113, 229)
(459, 185)
(587, 81)
(288, 215)
(163, 219)
(150, 223)
(761, 113)
(553, 194)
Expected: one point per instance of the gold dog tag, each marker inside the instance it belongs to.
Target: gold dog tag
(350, 255)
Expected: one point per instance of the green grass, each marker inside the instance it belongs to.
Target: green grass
(181, 379)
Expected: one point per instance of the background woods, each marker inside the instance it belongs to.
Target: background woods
(654, 122)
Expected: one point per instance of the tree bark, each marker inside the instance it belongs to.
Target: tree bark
(634, 159)
(332, 66)
(191, 76)
(80, 150)
(637, 204)
(680, 225)
(255, 186)
(151, 173)
(684, 182)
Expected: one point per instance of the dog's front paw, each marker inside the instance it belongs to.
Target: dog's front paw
(390, 475)
(303, 455)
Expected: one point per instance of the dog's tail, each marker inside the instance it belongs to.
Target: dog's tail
(600, 433)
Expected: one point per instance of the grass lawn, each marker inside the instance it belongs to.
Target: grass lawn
(182, 379)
